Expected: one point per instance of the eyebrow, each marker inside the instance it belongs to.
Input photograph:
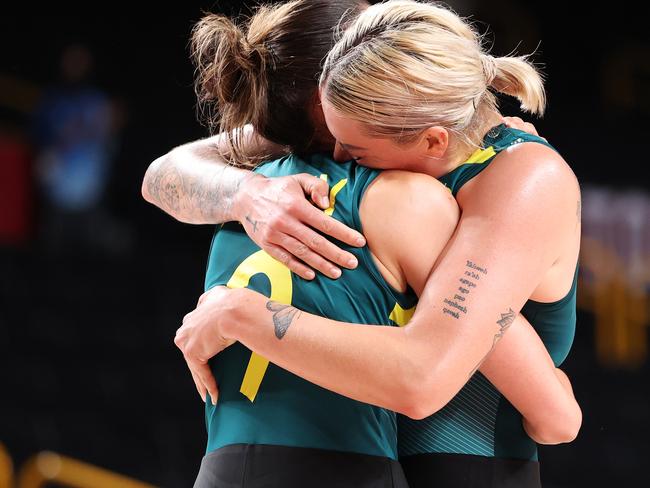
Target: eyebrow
(352, 146)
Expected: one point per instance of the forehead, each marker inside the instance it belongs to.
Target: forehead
(338, 122)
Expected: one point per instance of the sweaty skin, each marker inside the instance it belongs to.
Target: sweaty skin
(430, 359)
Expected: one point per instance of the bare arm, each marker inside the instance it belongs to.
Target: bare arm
(429, 360)
(194, 184)
(497, 256)
(408, 237)
(522, 370)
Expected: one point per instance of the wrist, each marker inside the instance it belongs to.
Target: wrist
(240, 313)
(243, 197)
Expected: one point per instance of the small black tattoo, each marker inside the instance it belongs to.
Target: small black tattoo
(504, 322)
(468, 281)
(283, 315)
(471, 265)
(252, 222)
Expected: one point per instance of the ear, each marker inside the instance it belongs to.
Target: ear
(436, 141)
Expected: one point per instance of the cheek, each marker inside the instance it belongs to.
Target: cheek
(389, 159)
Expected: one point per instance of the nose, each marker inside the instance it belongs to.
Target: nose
(341, 154)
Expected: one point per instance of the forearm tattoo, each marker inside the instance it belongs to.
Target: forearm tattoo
(504, 324)
(283, 315)
(195, 197)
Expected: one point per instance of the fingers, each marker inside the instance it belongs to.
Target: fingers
(316, 188)
(205, 375)
(311, 216)
(285, 257)
(305, 254)
(297, 244)
(199, 385)
(203, 380)
(520, 124)
(319, 252)
(330, 226)
(514, 122)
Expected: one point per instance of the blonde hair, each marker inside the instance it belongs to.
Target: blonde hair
(264, 72)
(406, 66)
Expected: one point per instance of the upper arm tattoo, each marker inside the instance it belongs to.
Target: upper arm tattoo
(457, 305)
(468, 281)
(283, 315)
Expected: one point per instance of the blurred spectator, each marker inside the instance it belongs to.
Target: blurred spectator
(75, 137)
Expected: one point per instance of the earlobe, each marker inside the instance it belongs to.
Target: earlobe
(437, 139)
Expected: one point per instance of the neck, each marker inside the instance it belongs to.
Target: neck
(461, 149)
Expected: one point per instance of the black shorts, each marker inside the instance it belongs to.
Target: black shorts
(265, 466)
(467, 471)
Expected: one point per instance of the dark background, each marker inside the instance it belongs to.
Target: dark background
(87, 363)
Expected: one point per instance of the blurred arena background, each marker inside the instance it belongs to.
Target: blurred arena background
(94, 281)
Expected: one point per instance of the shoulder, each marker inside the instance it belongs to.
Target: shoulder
(528, 191)
(416, 192)
(532, 161)
(527, 172)
(407, 220)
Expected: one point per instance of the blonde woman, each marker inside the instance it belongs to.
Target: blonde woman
(409, 86)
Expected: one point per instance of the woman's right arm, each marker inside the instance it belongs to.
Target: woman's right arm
(407, 220)
(195, 184)
(523, 371)
(409, 236)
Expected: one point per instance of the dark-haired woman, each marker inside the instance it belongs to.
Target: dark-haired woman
(273, 428)
(409, 86)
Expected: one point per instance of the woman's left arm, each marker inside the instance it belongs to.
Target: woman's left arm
(511, 231)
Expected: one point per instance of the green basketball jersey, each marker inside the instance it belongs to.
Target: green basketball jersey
(479, 420)
(260, 403)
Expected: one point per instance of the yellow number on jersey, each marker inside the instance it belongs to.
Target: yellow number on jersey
(281, 291)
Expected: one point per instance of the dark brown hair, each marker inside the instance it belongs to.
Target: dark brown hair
(265, 71)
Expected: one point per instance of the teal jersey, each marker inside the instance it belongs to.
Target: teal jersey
(479, 420)
(260, 403)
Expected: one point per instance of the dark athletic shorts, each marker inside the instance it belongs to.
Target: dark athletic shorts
(467, 471)
(265, 466)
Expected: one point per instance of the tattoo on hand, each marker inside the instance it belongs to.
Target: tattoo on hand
(504, 323)
(283, 315)
(252, 222)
